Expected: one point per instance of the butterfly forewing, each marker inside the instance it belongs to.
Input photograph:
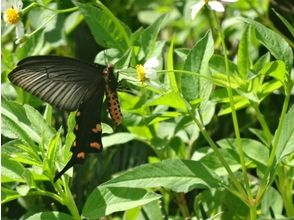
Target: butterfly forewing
(63, 82)
(70, 84)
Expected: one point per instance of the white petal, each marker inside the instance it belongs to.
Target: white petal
(17, 4)
(151, 63)
(5, 4)
(150, 73)
(19, 29)
(216, 6)
(196, 8)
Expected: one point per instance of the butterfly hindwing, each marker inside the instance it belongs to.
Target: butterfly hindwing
(87, 130)
(63, 82)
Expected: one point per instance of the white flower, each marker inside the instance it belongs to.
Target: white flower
(11, 16)
(147, 71)
(212, 4)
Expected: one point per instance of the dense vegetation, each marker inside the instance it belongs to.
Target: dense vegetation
(207, 101)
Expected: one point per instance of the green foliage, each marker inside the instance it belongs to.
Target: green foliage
(209, 136)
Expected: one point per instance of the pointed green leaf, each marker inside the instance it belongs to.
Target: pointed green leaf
(177, 175)
(171, 99)
(106, 200)
(286, 140)
(107, 30)
(276, 44)
(193, 86)
(50, 216)
(149, 36)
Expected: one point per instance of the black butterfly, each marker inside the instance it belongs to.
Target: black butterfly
(70, 84)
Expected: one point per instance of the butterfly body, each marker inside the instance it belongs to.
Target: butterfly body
(70, 84)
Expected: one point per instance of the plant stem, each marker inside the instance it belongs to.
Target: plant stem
(234, 114)
(242, 194)
(70, 203)
(262, 122)
(267, 179)
(183, 205)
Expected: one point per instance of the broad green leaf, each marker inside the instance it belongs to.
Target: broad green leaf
(50, 216)
(149, 35)
(272, 201)
(286, 139)
(16, 130)
(171, 99)
(243, 60)
(106, 200)
(177, 175)
(11, 169)
(276, 44)
(117, 138)
(153, 210)
(193, 86)
(38, 123)
(72, 21)
(107, 30)
(213, 163)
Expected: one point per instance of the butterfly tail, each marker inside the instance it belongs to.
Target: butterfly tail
(74, 160)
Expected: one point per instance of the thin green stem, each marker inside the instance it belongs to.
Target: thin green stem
(70, 203)
(183, 205)
(262, 122)
(285, 186)
(48, 194)
(234, 114)
(267, 179)
(219, 155)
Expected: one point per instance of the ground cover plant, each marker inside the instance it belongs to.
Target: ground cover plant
(206, 94)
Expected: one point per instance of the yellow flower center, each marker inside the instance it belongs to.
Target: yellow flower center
(140, 73)
(11, 16)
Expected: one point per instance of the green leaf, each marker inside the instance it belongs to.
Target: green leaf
(107, 30)
(106, 200)
(276, 44)
(153, 210)
(16, 130)
(212, 162)
(193, 86)
(38, 123)
(275, 69)
(170, 66)
(149, 35)
(243, 61)
(51, 154)
(286, 139)
(117, 138)
(50, 216)
(177, 175)
(171, 99)
(8, 195)
(286, 23)
(272, 201)
(11, 169)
